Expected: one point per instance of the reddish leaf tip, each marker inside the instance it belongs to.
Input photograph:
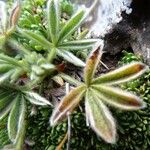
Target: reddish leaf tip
(61, 67)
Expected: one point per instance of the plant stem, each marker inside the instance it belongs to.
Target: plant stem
(51, 55)
(69, 120)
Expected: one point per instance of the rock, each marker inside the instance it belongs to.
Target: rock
(132, 32)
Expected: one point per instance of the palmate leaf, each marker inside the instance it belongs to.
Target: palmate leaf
(78, 44)
(71, 25)
(53, 11)
(67, 104)
(99, 92)
(117, 97)
(91, 65)
(123, 74)
(68, 56)
(16, 118)
(100, 118)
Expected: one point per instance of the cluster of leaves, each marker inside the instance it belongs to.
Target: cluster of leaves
(98, 93)
(23, 73)
(133, 128)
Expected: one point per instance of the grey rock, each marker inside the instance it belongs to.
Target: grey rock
(132, 32)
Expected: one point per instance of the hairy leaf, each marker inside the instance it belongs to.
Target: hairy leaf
(15, 15)
(71, 58)
(91, 65)
(118, 98)
(70, 79)
(53, 12)
(9, 60)
(48, 66)
(36, 37)
(6, 76)
(5, 67)
(58, 79)
(123, 74)
(16, 118)
(100, 118)
(71, 25)
(6, 102)
(17, 73)
(78, 44)
(37, 99)
(67, 104)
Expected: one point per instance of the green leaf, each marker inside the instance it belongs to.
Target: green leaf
(17, 73)
(48, 66)
(123, 74)
(70, 58)
(9, 60)
(91, 65)
(53, 13)
(21, 136)
(118, 98)
(78, 44)
(70, 80)
(6, 103)
(8, 147)
(37, 70)
(2, 39)
(37, 38)
(67, 104)
(100, 118)
(37, 99)
(51, 55)
(6, 76)
(16, 118)
(58, 79)
(71, 25)
(5, 67)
